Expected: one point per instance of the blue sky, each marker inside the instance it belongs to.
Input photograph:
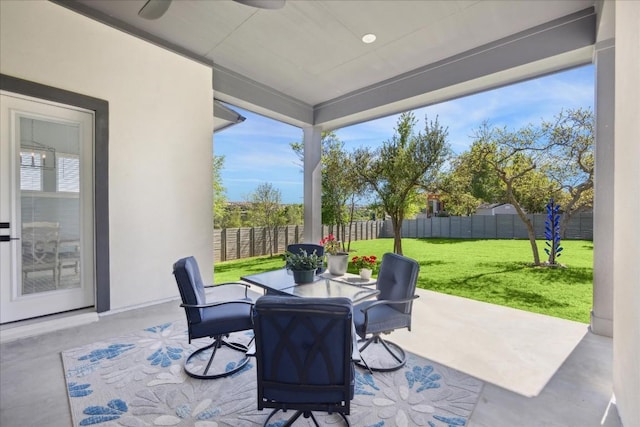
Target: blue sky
(257, 150)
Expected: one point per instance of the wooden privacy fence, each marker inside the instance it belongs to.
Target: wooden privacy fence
(237, 243)
(501, 226)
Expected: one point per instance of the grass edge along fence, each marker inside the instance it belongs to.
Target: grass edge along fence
(247, 242)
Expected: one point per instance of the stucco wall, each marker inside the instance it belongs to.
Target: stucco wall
(160, 127)
(626, 270)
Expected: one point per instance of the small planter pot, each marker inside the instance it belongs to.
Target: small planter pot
(338, 263)
(365, 273)
(303, 276)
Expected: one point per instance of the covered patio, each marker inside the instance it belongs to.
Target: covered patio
(537, 370)
(152, 86)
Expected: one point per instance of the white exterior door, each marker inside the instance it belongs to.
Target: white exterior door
(46, 208)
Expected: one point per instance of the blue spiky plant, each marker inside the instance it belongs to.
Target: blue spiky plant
(552, 232)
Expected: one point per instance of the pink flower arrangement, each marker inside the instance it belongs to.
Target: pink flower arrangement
(331, 245)
(365, 261)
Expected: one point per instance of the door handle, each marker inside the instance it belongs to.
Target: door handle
(8, 238)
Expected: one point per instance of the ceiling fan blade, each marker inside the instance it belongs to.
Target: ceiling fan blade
(263, 4)
(154, 9)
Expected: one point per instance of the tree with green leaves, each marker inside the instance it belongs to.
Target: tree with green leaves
(572, 163)
(336, 186)
(455, 187)
(294, 214)
(468, 183)
(234, 217)
(520, 160)
(266, 210)
(219, 193)
(402, 166)
(340, 184)
(563, 151)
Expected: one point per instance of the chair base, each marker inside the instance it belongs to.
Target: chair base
(218, 342)
(398, 355)
(305, 414)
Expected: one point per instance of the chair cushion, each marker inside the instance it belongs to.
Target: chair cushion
(191, 288)
(222, 319)
(381, 318)
(397, 280)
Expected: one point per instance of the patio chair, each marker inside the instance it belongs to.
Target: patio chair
(215, 319)
(303, 353)
(309, 247)
(40, 248)
(390, 311)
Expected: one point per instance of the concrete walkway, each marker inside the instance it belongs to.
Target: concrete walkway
(538, 370)
(513, 349)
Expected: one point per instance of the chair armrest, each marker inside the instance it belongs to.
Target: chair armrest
(355, 351)
(251, 351)
(386, 301)
(246, 286)
(214, 304)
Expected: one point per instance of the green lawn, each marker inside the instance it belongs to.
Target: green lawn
(494, 271)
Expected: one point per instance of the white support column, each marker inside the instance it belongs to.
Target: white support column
(603, 218)
(312, 184)
(626, 264)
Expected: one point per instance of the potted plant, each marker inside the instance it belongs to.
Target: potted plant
(365, 265)
(337, 259)
(303, 265)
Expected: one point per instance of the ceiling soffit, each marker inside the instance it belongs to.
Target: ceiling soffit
(560, 44)
(552, 46)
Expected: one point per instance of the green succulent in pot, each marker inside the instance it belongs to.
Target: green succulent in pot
(302, 261)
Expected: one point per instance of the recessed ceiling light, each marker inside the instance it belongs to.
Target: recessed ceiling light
(368, 38)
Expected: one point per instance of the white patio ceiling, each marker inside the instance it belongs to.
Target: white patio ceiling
(305, 64)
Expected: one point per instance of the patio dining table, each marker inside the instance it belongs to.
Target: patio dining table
(280, 282)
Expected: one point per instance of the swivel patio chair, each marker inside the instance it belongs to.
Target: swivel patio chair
(309, 247)
(303, 353)
(391, 310)
(215, 319)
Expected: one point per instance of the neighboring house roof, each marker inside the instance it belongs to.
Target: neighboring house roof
(490, 205)
(493, 208)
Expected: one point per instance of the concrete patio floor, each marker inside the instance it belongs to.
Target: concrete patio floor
(538, 370)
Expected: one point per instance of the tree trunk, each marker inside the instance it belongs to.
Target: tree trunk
(527, 222)
(397, 236)
(270, 240)
(531, 233)
(351, 210)
(565, 218)
(532, 240)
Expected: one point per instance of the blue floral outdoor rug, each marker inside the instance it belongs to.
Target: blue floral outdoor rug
(138, 380)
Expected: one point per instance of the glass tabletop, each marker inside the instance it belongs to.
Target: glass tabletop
(281, 282)
(327, 288)
(352, 279)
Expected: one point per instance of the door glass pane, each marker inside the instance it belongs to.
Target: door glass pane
(50, 205)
